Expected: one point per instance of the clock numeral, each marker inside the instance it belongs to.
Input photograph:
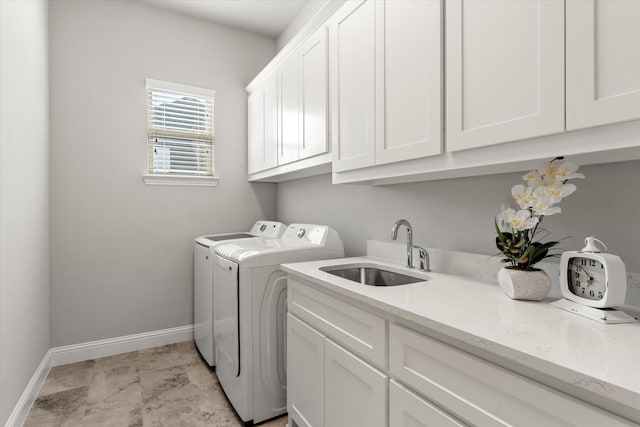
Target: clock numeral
(577, 275)
(583, 261)
(600, 295)
(592, 262)
(593, 294)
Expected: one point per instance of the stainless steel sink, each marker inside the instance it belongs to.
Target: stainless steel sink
(372, 275)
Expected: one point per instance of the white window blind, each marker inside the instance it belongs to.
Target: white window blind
(180, 129)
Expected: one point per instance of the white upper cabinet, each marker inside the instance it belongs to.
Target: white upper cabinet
(256, 130)
(352, 64)
(505, 71)
(386, 82)
(314, 95)
(408, 80)
(263, 130)
(289, 88)
(603, 62)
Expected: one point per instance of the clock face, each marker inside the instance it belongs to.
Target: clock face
(586, 278)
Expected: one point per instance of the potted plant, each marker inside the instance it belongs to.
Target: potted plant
(519, 236)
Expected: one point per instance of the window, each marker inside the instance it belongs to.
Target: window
(179, 134)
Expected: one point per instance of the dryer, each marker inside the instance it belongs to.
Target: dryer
(203, 258)
(250, 315)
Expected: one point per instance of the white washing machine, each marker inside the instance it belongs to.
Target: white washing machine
(250, 299)
(203, 259)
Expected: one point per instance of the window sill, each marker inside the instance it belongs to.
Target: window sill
(200, 181)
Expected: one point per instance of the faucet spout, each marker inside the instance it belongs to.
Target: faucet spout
(394, 236)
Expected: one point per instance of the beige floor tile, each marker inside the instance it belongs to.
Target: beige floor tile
(165, 386)
(68, 377)
(63, 408)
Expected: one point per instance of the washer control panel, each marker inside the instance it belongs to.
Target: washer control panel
(305, 234)
(269, 229)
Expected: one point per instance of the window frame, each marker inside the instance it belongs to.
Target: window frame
(172, 178)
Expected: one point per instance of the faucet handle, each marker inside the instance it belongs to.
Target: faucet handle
(424, 258)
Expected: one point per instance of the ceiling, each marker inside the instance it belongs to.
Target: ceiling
(267, 17)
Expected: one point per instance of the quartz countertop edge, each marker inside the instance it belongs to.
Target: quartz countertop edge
(601, 359)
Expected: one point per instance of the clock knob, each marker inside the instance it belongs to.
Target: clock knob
(591, 246)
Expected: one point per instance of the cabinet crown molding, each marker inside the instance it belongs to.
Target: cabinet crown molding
(318, 20)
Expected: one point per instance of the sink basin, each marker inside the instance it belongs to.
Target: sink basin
(372, 275)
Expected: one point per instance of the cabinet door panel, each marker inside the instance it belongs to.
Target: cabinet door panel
(505, 71)
(603, 62)
(256, 131)
(407, 409)
(271, 127)
(409, 81)
(305, 365)
(289, 76)
(352, 50)
(314, 91)
(355, 393)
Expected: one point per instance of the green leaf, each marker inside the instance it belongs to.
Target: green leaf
(500, 235)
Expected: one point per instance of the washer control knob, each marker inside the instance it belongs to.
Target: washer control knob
(301, 232)
(263, 227)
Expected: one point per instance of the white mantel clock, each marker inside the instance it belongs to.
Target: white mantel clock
(592, 282)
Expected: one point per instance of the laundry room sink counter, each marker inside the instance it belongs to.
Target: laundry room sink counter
(562, 350)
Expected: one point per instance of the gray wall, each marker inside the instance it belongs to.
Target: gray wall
(24, 197)
(121, 250)
(458, 213)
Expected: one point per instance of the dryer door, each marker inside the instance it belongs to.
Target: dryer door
(225, 315)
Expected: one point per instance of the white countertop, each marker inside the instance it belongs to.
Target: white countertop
(601, 359)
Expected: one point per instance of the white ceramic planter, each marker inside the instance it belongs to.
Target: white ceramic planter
(524, 285)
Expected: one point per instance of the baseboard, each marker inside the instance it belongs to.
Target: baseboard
(111, 346)
(22, 408)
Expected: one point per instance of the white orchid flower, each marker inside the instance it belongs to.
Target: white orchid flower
(548, 171)
(522, 195)
(567, 170)
(558, 191)
(531, 176)
(544, 206)
(521, 220)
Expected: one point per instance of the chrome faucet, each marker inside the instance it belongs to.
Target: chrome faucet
(394, 236)
(424, 255)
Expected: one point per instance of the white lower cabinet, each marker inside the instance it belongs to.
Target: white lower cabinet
(305, 374)
(334, 382)
(330, 386)
(407, 409)
(355, 393)
(481, 393)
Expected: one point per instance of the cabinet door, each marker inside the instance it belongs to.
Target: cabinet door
(289, 81)
(505, 71)
(355, 393)
(407, 409)
(305, 374)
(314, 92)
(408, 80)
(271, 120)
(256, 131)
(603, 62)
(352, 67)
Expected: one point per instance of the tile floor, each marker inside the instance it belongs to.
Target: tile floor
(162, 386)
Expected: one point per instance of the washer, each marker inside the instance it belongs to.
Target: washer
(250, 300)
(203, 259)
